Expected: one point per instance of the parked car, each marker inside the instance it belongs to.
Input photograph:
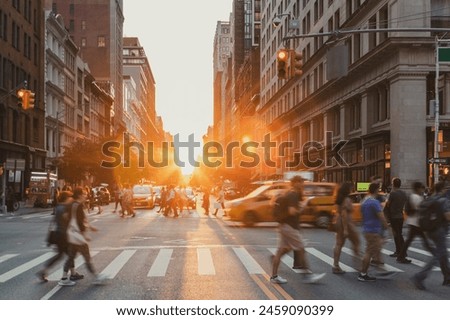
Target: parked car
(143, 196)
(101, 195)
(257, 205)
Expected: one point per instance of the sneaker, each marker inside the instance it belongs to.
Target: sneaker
(303, 270)
(418, 283)
(312, 277)
(366, 278)
(42, 276)
(100, 280)
(76, 276)
(337, 270)
(404, 260)
(278, 279)
(66, 282)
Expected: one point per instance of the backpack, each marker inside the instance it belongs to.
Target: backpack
(429, 213)
(280, 208)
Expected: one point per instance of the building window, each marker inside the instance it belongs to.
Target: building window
(83, 25)
(71, 25)
(83, 42)
(101, 41)
(355, 115)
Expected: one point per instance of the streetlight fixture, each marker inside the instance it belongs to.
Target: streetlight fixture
(294, 24)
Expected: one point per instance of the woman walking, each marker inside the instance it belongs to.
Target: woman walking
(344, 225)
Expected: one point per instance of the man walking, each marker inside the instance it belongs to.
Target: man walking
(394, 215)
(373, 225)
(289, 233)
(438, 236)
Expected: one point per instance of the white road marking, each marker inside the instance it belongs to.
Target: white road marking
(161, 263)
(205, 262)
(247, 260)
(117, 264)
(25, 267)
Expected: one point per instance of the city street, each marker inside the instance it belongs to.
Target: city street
(151, 257)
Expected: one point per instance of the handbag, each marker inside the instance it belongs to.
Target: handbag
(52, 234)
(74, 234)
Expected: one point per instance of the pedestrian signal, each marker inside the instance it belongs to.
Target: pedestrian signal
(296, 64)
(282, 63)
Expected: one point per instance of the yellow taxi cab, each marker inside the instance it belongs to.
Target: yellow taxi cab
(257, 206)
(357, 198)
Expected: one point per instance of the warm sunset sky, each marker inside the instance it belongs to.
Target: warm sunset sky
(178, 37)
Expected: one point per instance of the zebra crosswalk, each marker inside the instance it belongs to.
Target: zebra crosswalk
(250, 260)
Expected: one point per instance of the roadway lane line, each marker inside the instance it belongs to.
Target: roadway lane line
(79, 261)
(263, 287)
(205, 262)
(117, 264)
(386, 266)
(6, 257)
(25, 267)
(161, 263)
(329, 260)
(247, 260)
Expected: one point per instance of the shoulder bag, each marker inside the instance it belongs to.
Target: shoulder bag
(74, 235)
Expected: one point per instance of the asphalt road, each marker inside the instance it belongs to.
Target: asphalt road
(193, 257)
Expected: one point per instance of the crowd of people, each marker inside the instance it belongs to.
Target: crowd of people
(376, 221)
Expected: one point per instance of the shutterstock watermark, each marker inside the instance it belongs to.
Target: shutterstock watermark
(249, 154)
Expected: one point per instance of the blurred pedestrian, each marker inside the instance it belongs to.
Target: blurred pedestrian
(412, 220)
(61, 220)
(374, 225)
(345, 227)
(117, 196)
(289, 237)
(206, 202)
(163, 200)
(127, 201)
(79, 220)
(220, 202)
(438, 237)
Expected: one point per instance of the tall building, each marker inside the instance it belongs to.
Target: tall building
(137, 67)
(221, 54)
(375, 115)
(96, 26)
(22, 144)
(75, 106)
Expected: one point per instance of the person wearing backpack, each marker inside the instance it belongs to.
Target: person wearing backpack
(289, 232)
(440, 209)
(412, 220)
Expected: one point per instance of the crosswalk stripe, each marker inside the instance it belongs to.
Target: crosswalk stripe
(117, 264)
(5, 257)
(161, 263)
(79, 261)
(25, 267)
(424, 252)
(247, 260)
(329, 260)
(205, 262)
(386, 266)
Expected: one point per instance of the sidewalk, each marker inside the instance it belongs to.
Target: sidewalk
(24, 210)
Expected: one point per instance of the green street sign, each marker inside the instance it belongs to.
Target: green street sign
(444, 54)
